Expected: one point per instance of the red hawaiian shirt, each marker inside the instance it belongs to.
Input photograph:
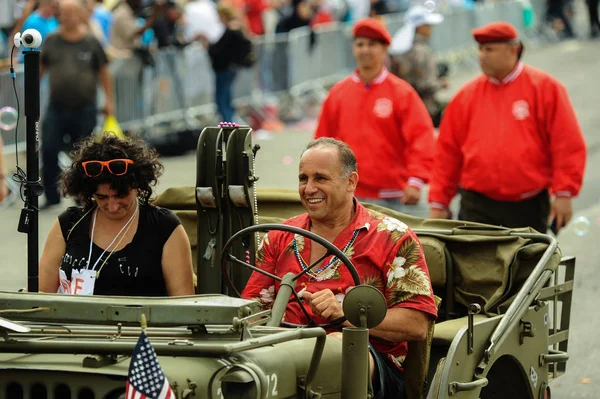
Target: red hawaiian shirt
(385, 252)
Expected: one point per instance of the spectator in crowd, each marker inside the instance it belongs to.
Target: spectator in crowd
(7, 22)
(16, 12)
(92, 23)
(98, 19)
(413, 60)
(43, 19)
(592, 6)
(166, 23)
(301, 15)
(556, 9)
(125, 33)
(239, 12)
(255, 10)
(201, 19)
(321, 14)
(7, 19)
(71, 113)
(378, 8)
(166, 32)
(103, 16)
(222, 56)
(359, 9)
(338, 9)
(127, 54)
(4, 47)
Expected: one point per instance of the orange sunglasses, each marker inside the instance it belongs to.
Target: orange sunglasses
(117, 167)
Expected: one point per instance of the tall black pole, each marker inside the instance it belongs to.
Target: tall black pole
(33, 187)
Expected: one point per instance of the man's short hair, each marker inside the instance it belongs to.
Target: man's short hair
(521, 50)
(347, 157)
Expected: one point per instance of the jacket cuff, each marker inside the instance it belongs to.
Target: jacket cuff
(438, 205)
(415, 182)
(563, 194)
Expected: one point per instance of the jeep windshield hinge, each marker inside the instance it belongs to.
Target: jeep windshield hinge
(243, 325)
(527, 330)
(474, 309)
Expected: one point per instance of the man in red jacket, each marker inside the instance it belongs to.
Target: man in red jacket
(510, 140)
(383, 119)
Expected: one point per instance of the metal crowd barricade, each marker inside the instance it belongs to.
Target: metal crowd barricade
(7, 98)
(452, 40)
(181, 83)
(269, 76)
(510, 11)
(317, 56)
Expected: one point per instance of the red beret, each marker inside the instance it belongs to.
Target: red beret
(373, 29)
(496, 32)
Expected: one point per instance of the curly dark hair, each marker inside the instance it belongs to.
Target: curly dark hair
(142, 175)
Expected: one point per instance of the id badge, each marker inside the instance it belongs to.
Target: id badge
(64, 285)
(82, 282)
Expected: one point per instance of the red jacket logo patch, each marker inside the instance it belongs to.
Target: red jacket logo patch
(520, 110)
(383, 107)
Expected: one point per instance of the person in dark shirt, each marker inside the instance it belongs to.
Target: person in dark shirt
(116, 243)
(301, 14)
(223, 54)
(165, 23)
(75, 64)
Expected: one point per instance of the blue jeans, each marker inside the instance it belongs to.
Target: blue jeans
(388, 381)
(223, 97)
(62, 127)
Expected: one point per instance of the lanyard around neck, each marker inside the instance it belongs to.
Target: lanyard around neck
(137, 205)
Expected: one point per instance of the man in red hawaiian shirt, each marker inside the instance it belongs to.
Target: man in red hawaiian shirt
(385, 252)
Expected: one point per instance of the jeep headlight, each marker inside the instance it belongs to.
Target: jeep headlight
(238, 381)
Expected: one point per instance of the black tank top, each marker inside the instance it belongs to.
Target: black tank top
(135, 270)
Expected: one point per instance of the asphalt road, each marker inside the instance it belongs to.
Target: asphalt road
(575, 63)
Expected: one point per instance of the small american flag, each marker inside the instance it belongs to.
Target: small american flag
(146, 379)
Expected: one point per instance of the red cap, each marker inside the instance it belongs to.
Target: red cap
(373, 29)
(496, 32)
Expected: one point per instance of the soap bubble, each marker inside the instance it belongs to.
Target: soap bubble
(287, 160)
(8, 118)
(429, 5)
(581, 226)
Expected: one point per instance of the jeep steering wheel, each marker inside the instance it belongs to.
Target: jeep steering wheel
(330, 250)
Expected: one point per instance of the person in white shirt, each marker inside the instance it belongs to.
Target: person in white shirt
(201, 19)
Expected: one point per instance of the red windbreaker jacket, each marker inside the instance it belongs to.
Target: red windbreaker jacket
(388, 128)
(509, 140)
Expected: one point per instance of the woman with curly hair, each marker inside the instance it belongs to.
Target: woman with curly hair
(116, 243)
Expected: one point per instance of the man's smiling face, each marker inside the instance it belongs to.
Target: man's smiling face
(324, 191)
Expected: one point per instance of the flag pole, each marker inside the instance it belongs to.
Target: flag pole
(143, 322)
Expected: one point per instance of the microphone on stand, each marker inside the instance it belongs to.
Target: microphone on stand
(29, 220)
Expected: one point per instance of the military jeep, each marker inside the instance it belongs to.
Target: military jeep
(504, 300)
